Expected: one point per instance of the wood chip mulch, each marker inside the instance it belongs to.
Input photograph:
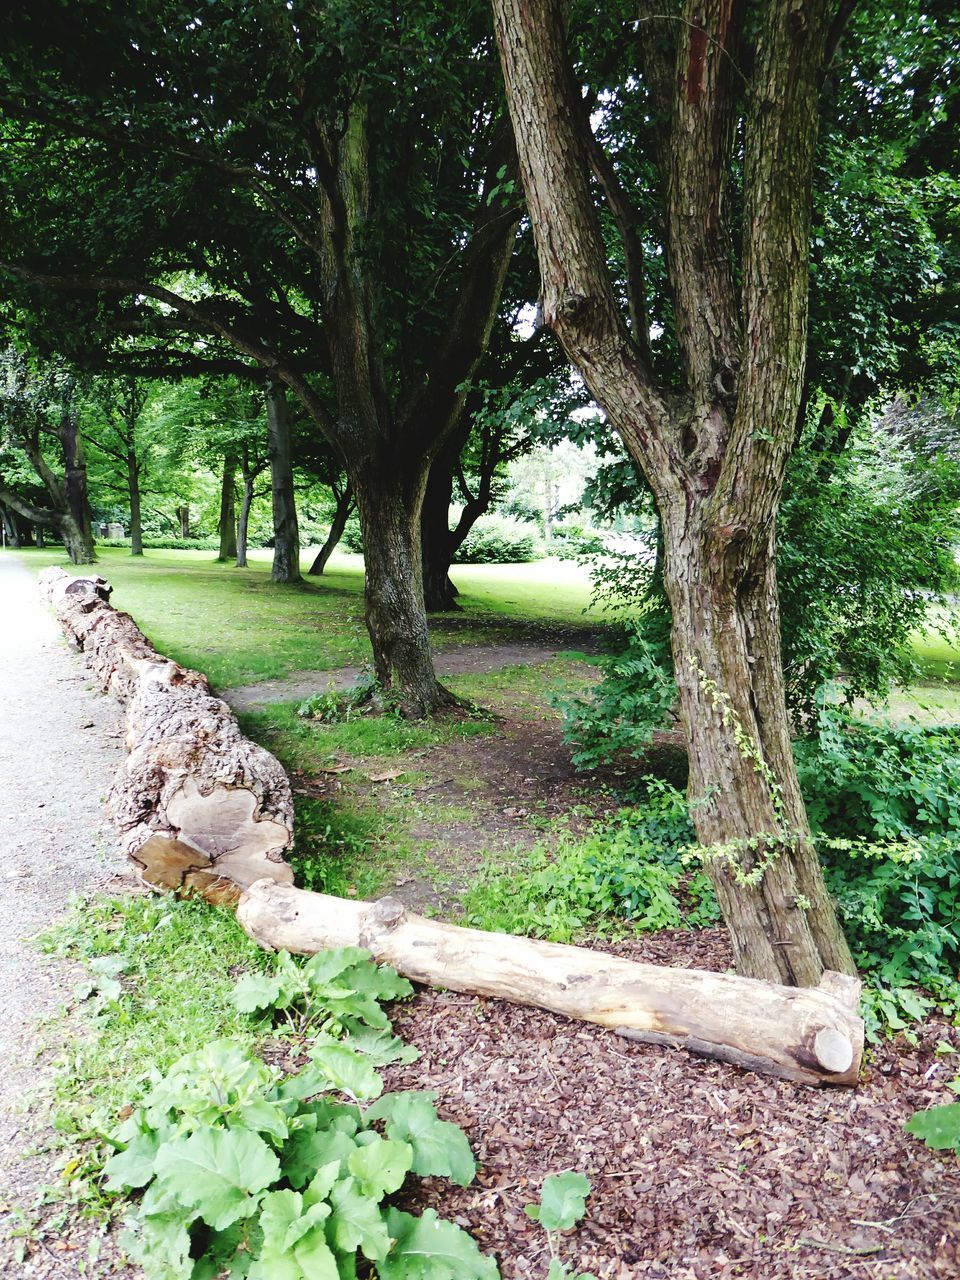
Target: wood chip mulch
(698, 1169)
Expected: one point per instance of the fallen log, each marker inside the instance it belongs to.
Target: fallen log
(200, 807)
(811, 1035)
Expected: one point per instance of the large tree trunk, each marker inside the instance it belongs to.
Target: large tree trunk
(814, 1036)
(389, 506)
(200, 808)
(286, 534)
(228, 509)
(714, 458)
(10, 529)
(76, 525)
(136, 518)
(337, 526)
(744, 799)
(183, 516)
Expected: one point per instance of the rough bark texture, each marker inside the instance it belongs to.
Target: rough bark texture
(286, 532)
(812, 1036)
(136, 519)
(337, 526)
(200, 808)
(714, 456)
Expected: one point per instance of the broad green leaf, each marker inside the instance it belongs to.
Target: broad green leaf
(133, 1167)
(562, 1201)
(327, 965)
(308, 1150)
(284, 1220)
(357, 1222)
(558, 1270)
(381, 1166)
(428, 1248)
(265, 1117)
(217, 1172)
(256, 991)
(938, 1127)
(380, 981)
(382, 1047)
(320, 1185)
(440, 1149)
(161, 1245)
(347, 1071)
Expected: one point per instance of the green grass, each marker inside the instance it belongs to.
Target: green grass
(178, 963)
(238, 627)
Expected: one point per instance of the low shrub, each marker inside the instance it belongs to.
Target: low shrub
(500, 539)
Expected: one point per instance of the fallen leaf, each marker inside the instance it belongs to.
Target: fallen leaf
(333, 768)
(386, 777)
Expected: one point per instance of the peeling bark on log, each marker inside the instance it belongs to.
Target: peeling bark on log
(811, 1035)
(200, 808)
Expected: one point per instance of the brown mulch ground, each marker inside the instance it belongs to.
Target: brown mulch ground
(698, 1169)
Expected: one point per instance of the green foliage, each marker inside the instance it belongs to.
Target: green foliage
(563, 1202)
(335, 991)
(244, 1171)
(635, 695)
(629, 868)
(938, 1127)
(500, 539)
(888, 800)
(339, 707)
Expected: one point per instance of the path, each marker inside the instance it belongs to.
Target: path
(468, 659)
(59, 750)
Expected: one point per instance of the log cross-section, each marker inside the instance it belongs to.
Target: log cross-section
(200, 807)
(812, 1035)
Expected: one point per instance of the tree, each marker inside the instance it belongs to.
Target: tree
(39, 405)
(339, 214)
(714, 448)
(117, 405)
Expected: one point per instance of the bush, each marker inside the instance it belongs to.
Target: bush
(500, 539)
(576, 542)
(352, 538)
(166, 544)
(635, 696)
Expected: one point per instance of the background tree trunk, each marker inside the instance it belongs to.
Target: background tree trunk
(77, 529)
(136, 519)
(10, 528)
(337, 526)
(183, 515)
(439, 593)
(228, 509)
(286, 534)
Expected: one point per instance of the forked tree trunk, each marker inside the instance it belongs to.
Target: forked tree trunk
(714, 458)
(389, 507)
(286, 533)
(228, 509)
(337, 526)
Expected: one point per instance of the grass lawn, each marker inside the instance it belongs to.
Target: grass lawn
(238, 627)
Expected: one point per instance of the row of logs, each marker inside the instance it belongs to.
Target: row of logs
(202, 809)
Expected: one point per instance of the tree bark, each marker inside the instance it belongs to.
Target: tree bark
(337, 526)
(715, 456)
(183, 515)
(200, 808)
(10, 528)
(286, 534)
(228, 509)
(813, 1036)
(439, 593)
(136, 518)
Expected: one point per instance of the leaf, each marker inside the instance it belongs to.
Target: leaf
(382, 1047)
(381, 1166)
(294, 1244)
(308, 1151)
(357, 1222)
(133, 1167)
(938, 1127)
(440, 1149)
(327, 965)
(428, 1248)
(256, 991)
(562, 1201)
(347, 1071)
(217, 1172)
(161, 1244)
